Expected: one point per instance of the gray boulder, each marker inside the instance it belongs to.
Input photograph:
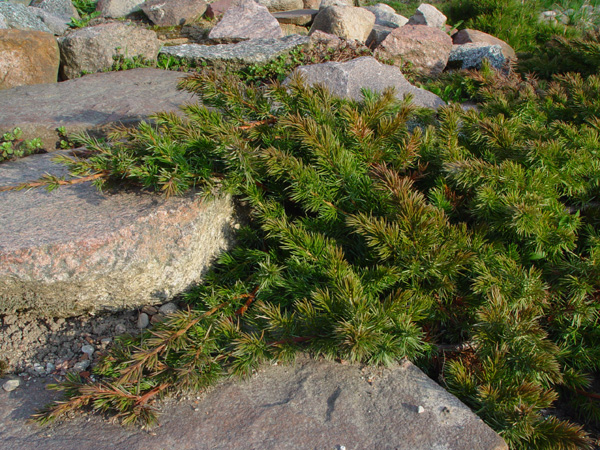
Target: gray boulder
(245, 53)
(3, 24)
(386, 16)
(309, 404)
(57, 25)
(246, 20)
(429, 15)
(345, 21)
(378, 35)
(297, 17)
(61, 8)
(93, 49)
(467, 36)
(76, 250)
(118, 8)
(93, 103)
(173, 12)
(281, 5)
(20, 17)
(347, 80)
(471, 56)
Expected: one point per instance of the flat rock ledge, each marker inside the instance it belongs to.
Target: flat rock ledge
(311, 404)
(76, 250)
(253, 51)
(92, 103)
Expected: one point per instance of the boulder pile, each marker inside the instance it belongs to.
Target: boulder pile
(45, 31)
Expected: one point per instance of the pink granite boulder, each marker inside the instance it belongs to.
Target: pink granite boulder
(246, 20)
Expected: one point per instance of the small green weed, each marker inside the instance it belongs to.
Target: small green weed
(12, 145)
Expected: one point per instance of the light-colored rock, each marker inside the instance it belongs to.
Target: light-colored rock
(88, 349)
(281, 5)
(21, 18)
(11, 385)
(93, 49)
(27, 57)
(3, 23)
(168, 308)
(57, 25)
(61, 8)
(327, 3)
(290, 29)
(81, 366)
(143, 321)
(386, 16)
(311, 4)
(93, 103)
(173, 12)
(297, 17)
(253, 51)
(73, 250)
(471, 56)
(428, 15)
(467, 36)
(345, 21)
(426, 48)
(246, 20)
(118, 8)
(347, 79)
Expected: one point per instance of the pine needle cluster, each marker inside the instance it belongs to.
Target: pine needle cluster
(469, 244)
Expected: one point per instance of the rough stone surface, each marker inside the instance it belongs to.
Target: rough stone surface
(467, 36)
(3, 23)
(76, 250)
(11, 385)
(61, 8)
(253, 51)
(308, 405)
(91, 103)
(297, 17)
(429, 15)
(426, 48)
(21, 18)
(290, 29)
(281, 5)
(118, 8)
(349, 78)
(246, 20)
(386, 16)
(311, 4)
(378, 35)
(57, 25)
(27, 57)
(327, 3)
(92, 49)
(345, 21)
(173, 12)
(218, 8)
(471, 56)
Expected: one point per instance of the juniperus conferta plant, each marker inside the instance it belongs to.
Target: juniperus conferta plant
(467, 242)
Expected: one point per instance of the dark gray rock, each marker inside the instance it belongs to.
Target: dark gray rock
(297, 17)
(21, 18)
(378, 35)
(246, 20)
(92, 49)
(61, 8)
(308, 405)
(76, 250)
(471, 56)
(253, 51)
(468, 36)
(386, 16)
(57, 25)
(173, 12)
(92, 103)
(347, 79)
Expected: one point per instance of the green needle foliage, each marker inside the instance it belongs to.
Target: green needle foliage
(467, 244)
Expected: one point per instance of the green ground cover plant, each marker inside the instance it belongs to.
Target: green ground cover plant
(468, 244)
(12, 146)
